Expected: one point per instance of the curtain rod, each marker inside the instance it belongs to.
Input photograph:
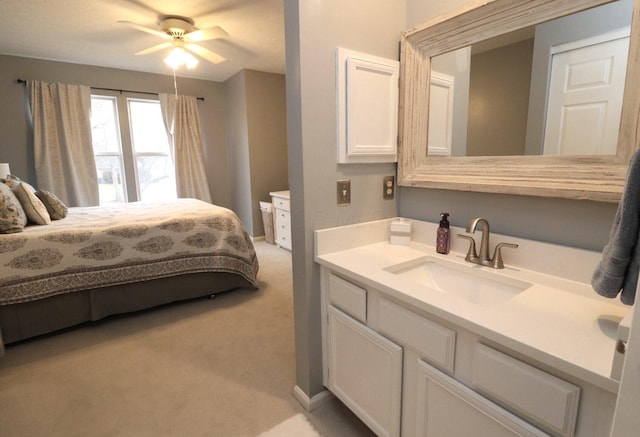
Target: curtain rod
(24, 82)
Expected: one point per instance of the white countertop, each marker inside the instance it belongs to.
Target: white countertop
(284, 194)
(559, 322)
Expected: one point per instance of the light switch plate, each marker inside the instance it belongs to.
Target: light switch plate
(344, 192)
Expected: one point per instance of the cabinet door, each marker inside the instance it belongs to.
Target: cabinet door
(448, 408)
(365, 372)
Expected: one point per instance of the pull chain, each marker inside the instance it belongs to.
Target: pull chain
(175, 84)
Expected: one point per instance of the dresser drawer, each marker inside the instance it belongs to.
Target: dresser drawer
(283, 228)
(280, 203)
(283, 217)
(434, 342)
(348, 297)
(535, 394)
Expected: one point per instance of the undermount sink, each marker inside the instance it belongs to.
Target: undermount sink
(473, 284)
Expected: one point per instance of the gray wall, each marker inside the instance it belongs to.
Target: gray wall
(243, 124)
(499, 100)
(569, 222)
(257, 139)
(456, 64)
(16, 145)
(238, 143)
(267, 117)
(313, 31)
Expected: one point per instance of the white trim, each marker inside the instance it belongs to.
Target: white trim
(445, 106)
(623, 32)
(314, 402)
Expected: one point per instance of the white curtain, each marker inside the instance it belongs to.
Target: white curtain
(182, 121)
(63, 150)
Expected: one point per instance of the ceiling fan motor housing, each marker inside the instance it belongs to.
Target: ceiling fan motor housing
(177, 27)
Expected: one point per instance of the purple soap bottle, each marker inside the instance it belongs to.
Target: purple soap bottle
(442, 238)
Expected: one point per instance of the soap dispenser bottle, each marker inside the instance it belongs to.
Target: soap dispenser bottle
(442, 238)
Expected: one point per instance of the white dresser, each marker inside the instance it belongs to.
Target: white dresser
(282, 218)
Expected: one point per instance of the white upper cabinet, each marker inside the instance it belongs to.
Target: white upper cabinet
(367, 107)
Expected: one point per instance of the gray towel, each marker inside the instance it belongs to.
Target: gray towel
(618, 269)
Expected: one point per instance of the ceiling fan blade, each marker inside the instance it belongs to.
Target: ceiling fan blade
(207, 54)
(147, 29)
(155, 48)
(207, 34)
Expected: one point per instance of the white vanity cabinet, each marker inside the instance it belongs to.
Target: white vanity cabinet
(282, 218)
(365, 372)
(363, 369)
(404, 371)
(448, 408)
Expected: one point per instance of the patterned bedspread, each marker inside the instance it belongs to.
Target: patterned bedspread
(100, 246)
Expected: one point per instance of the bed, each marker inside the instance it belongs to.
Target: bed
(100, 261)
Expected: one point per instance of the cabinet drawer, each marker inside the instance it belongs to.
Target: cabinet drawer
(434, 342)
(280, 203)
(535, 394)
(348, 297)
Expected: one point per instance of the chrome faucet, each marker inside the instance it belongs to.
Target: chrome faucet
(483, 259)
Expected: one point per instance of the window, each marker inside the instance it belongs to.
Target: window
(107, 149)
(131, 167)
(154, 165)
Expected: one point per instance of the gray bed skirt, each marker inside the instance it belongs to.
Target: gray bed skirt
(29, 319)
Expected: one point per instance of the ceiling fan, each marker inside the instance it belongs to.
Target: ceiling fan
(181, 34)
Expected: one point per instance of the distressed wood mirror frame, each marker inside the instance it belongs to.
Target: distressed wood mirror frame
(597, 178)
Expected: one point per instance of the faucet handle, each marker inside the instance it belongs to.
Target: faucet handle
(472, 255)
(497, 254)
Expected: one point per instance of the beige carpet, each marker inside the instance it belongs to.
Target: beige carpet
(221, 367)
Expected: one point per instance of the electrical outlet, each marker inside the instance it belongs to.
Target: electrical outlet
(388, 187)
(344, 192)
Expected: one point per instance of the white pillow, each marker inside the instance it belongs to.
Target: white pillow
(35, 209)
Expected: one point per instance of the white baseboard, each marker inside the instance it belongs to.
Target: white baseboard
(314, 402)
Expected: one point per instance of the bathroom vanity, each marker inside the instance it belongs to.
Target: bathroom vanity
(417, 343)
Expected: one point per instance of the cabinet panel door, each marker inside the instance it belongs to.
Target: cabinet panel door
(365, 372)
(448, 408)
(540, 397)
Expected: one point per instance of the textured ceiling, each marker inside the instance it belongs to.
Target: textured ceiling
(88, 32)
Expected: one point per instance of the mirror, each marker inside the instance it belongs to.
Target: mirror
(567, 172)
(508, 87)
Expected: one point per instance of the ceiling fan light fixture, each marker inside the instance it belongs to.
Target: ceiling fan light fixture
(178, 57)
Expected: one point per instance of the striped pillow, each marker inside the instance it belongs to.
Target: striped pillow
(55, 207)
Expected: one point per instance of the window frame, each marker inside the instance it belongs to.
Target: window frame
(128, 154)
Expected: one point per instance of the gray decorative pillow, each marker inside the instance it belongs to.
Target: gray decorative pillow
(55, 207)
(10, 182)
(12, 216)
(35, 209)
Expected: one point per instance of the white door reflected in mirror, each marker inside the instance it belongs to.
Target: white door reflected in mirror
(586, 89)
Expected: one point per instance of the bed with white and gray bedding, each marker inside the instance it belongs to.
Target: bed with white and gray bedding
(100, 261)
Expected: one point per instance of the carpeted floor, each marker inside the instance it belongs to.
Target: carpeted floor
(221, 367)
